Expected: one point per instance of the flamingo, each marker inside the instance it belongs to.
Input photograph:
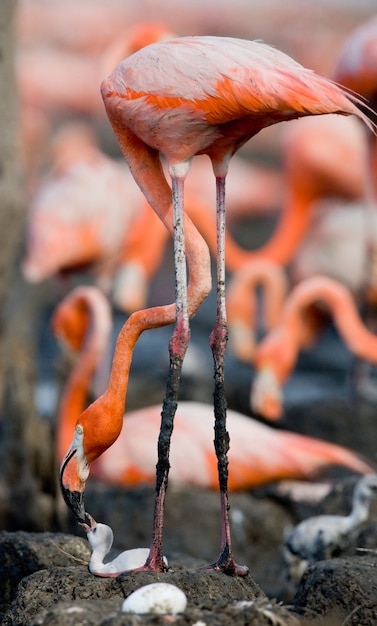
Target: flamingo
(322, 158)
(355, 68)
(82, 321)
(325, 536)
(242, 303)
(181, 98)
(89, 214)
(276, 354)
(336, 247)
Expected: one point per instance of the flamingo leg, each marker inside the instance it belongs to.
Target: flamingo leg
(218, 340)
(177, 350)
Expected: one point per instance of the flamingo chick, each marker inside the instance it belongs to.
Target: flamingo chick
(181, 98)
(325, 536)
(100, 537)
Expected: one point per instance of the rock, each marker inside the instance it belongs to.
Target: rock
(54, 595)
(22, 554)
(338, 588)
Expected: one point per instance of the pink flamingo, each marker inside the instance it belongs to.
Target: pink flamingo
(336, 247)
(157, 103)
(276, 354)
(242, 303)
(86, 214)
(356, 64)
(259, 454)
(323, 158)
(356, 69)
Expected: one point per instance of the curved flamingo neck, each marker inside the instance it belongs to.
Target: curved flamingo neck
(241, 296)
(103, 419)
(75, 394)
(282, 345)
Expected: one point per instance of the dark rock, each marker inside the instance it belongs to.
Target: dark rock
(345, 588)
(38, 593)
(22, 554)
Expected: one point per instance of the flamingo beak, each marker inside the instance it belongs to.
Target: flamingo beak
(73, 487)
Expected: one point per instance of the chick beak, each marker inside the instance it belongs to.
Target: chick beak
(92, 524)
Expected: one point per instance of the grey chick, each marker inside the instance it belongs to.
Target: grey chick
(325, 536)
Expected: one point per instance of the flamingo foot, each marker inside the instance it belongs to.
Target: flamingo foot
(227, 565)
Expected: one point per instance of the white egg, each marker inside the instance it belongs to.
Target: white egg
(158, 598)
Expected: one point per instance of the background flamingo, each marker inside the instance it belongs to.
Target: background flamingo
(356, 68)
(258, 455)
(323, 160)
(243, 304)
(276, 354)
(337, 247)
(88, 214)
(216, 126)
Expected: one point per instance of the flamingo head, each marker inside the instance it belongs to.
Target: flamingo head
(266, 394)
(96, 430)
(73, 475)
(70, 321)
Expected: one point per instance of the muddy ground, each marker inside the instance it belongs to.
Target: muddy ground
(45, 580)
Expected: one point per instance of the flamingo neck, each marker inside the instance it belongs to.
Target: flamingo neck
(292, 227)
(360, 509)
(340, 303)
(75, 394)
(103, 420)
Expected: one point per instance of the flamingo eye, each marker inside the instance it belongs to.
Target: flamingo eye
(79, 429)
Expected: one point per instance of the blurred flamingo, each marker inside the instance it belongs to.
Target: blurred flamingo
(356, 69)
(237, 88)
(276, 354)
(242, 304)
(88, 214)
(336, 247)
(75, 27)
(259, 454)
(82, 322)
(357, 61)
(323, 159)
(324, 537)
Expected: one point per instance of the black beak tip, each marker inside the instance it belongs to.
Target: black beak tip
(75, 502)
(73, 499)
